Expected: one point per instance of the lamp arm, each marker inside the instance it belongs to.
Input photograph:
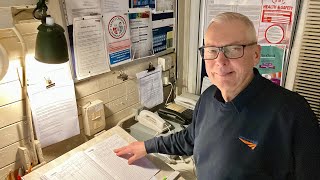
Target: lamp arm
(40, 12)
(24, 89)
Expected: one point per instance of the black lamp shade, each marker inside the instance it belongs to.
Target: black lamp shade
(51, 45)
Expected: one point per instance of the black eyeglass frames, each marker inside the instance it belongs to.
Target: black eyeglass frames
(230, 51)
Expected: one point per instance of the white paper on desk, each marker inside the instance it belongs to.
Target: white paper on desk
(54, 110)
(150, 87)
(76, 8)
(141, 32)
(102, 153)
(89, 47)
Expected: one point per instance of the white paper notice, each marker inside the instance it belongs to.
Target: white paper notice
(76, 8)
(114, 6)
(89, 47)
(141, 33)
(117, 34)
(54, 108)
(164, 5)
(150, 87)
(250, 8)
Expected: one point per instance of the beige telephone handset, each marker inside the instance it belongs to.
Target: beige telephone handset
(153, 121)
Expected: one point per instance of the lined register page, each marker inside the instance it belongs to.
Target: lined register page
(100, 162)
(78, 166)
(102, 153)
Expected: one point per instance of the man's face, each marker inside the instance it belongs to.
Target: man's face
(231, 75)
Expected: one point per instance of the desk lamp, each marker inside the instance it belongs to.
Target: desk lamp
(51, 45)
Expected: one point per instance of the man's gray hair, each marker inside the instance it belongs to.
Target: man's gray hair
(233, 16)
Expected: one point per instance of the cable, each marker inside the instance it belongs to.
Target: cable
(169, 93)
(168, 127)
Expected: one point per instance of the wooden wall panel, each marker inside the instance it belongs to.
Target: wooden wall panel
(10, 153)
(121, 103)
(11, 75)
(6, 3)
(13, 133)
(131, 86)
(53, 151)
(10, 92)
(111, 121)
(95, 84)
(11, 113)
(13, 47)
(116, 92)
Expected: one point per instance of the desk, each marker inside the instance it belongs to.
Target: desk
(165, 170)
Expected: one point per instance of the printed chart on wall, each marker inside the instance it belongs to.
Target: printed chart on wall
(141, 32)
(271, 62)
(142, 3)
(118, 38)
(162, 31)
(250, 8)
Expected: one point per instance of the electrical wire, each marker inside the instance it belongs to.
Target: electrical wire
(169, 93)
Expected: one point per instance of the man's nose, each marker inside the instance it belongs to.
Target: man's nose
(221, 59)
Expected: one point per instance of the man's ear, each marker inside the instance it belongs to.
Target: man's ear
(257, 54)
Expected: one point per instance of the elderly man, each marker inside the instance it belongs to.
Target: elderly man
(244, 126)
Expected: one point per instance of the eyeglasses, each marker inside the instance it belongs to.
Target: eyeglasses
(230, 52)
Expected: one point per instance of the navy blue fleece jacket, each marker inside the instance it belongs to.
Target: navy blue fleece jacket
(266, 132)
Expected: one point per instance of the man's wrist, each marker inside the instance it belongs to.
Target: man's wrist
(150, 146)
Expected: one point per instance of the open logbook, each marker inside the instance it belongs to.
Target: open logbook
(100, 162)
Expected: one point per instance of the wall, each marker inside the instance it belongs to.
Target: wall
(119, 98)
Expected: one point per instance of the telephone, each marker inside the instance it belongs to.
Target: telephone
(187, 100)
(176, 113)
(153, 121)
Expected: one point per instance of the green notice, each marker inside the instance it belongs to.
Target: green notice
(271, 62)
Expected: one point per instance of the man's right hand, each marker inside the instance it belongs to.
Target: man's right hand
(135, 150)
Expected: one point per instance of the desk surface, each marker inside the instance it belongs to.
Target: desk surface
(165, 170)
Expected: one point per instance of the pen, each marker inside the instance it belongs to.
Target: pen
(19, 174)
(30, 168)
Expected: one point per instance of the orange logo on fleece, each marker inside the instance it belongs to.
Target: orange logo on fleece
(251, 145)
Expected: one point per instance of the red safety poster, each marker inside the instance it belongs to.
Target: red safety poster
(276, 21)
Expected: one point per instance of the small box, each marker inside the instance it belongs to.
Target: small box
(93, 117)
